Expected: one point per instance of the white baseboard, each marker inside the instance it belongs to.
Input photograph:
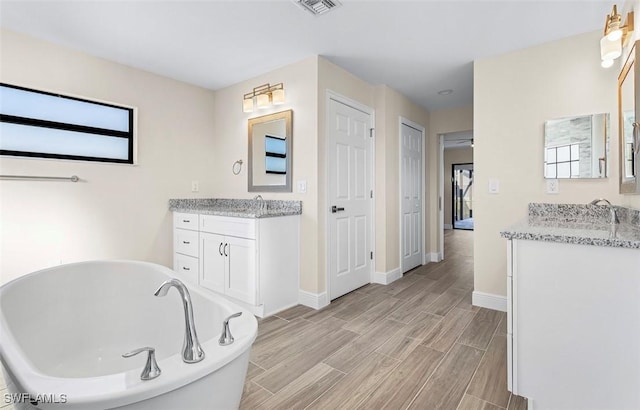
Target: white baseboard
(313, 300)
(385, 278)
(432, 257)
(448, 226)
(489, 301)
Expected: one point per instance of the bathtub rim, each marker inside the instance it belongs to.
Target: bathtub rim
(123, 388)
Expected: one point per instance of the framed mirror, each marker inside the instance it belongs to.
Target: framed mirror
(577, 147)
(629, 129)
(270, 152)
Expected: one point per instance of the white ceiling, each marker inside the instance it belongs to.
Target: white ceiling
(416, 47)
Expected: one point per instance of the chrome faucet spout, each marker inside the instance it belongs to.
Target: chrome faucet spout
(191, 350)
(612, 209)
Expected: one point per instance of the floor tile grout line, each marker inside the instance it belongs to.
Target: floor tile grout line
(486, 401)
(484, 353)
(439, 364)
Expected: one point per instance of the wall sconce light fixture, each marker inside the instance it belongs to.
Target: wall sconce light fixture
(616, 36)
(263, 96)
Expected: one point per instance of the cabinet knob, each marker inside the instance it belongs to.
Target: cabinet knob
(220, 249)
(225, 249)
(186, 242)
(185, 268)
(186, 221)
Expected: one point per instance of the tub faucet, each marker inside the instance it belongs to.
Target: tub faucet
(191, 350)
(612, 209)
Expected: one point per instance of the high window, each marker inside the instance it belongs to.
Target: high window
(45, 125)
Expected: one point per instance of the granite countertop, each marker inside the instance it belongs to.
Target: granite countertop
(239, 208)
(578, 224)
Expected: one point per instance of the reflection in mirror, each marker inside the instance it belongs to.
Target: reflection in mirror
(577, 147)
(270, 152)
(627, 112)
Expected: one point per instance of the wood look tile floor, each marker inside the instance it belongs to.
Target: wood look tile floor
(417, 343)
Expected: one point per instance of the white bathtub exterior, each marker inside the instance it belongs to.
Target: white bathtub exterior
(63, 331)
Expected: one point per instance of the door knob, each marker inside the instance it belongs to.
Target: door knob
(335, 209)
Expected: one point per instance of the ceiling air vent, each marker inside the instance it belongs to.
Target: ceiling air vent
(317, 7)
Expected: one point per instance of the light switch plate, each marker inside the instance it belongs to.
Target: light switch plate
(552, 186)
(494, 186)
(302, 186)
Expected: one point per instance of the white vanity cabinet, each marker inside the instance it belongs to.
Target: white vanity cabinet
(252, 261)
(573, 325)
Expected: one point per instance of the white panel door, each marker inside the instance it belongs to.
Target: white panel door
(348, 192)
(241, 269)
(212, 261)
(411, 192)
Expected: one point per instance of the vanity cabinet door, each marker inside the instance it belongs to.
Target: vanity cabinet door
(212, 261)
(241, 269)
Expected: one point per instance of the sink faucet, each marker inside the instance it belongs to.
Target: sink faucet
(191, 350)
(261, 202)
(612, 209)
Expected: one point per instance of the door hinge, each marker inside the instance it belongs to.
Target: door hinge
(370, 132)
(371, 194)
(371, 255)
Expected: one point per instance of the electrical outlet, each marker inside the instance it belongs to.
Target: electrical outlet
(552, 186)
(195, 186)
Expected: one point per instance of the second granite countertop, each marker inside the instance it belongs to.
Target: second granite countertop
(239, 208)
(577, 224)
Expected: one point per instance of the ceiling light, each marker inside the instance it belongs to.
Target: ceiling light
(445, 92)
(615, 36)
(263, 97)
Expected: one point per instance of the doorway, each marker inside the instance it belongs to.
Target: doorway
(349, 193)
(462, 194)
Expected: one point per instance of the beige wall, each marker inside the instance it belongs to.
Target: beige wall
(513, 95)
(185, 133)
(387, 194)
(230, 141)
(116, 211)
(442, 122)
(453, 156)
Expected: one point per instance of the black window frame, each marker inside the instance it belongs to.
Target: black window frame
(34, 122)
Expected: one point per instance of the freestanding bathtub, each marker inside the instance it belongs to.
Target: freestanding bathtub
(63, 331)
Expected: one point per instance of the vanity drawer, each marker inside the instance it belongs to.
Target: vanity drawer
(185, 242)
(187, 267)
(229, 226)
(185, 221)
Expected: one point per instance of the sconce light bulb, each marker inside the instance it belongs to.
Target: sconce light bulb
(263, 101)
(606, 63)
(247, 105)
(614, 35)
(277, 96)
(610, 50)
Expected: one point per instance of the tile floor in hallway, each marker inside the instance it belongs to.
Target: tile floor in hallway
(417, 343)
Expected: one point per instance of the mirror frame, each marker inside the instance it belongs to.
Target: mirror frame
(630, 68)
(288, 117)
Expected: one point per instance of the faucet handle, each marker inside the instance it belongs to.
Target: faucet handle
(151, 369)
(226, 338)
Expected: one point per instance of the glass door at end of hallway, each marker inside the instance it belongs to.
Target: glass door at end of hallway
(462, 180)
